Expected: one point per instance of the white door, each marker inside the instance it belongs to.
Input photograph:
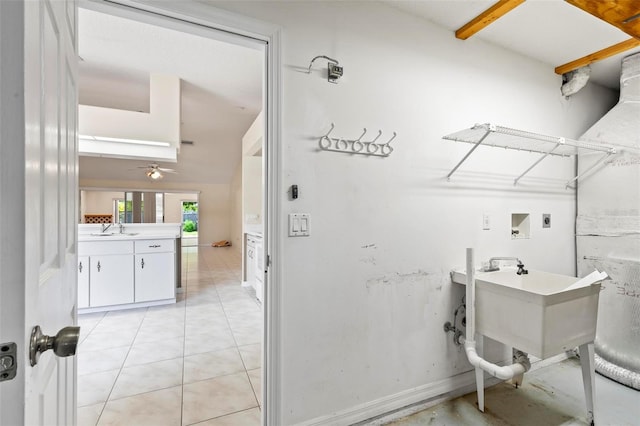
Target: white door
(38, 198)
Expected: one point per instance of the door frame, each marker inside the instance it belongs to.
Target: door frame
(244, 31)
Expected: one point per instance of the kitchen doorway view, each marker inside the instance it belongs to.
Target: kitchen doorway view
(158, 359)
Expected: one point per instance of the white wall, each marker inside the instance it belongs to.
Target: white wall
(365, 296)
(252, 191)
(213, 203)
(235, 201)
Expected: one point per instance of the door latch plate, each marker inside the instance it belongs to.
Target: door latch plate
(8, 361)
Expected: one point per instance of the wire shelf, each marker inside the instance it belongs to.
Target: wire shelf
(508, 138)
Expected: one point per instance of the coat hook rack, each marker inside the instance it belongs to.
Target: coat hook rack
(334, 70)
(357, 146)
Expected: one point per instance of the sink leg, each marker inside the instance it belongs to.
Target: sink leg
(588, 377)
(480, 372)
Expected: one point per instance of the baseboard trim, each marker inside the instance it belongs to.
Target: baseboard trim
(441, 389)
(405, 403)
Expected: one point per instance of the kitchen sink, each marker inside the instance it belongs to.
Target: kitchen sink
(541, 313)
(102, 234)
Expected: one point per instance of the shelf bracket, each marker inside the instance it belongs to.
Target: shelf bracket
(596, 164)
(473, 148)
(561, 141)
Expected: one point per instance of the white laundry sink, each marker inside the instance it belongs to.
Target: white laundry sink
(540, 313)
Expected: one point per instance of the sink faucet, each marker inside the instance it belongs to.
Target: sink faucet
(106, 226)
(121, 226)
(493, 265)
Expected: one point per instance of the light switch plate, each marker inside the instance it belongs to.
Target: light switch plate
(486, 222)
(299, 224)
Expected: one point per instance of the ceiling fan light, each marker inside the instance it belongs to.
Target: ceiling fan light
(154, 174)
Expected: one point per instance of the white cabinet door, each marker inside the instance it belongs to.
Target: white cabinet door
(83, 282)
(111, 280)
(155, 276)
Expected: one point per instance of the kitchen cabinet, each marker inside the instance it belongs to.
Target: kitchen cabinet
(125, 273)
(254, 262)
(111, 280)
(154, 270)
(83, 282)
(259, 270)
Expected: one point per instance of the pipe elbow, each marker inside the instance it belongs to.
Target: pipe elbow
(506, 372)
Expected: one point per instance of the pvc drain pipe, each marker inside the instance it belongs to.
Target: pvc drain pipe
(521, 364)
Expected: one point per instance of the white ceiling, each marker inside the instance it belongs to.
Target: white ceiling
(221, 92)
(222, 83)
(551, 31)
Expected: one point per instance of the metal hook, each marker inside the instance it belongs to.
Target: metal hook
(325, 141)
(377, 137)
(330, 130)
(362, 135)
(386, 148)
(392, 138)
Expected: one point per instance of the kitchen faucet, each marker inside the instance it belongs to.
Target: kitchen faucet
(106, 226)
(493, 265)
(121, 226)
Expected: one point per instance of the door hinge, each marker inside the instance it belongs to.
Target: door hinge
(268, 261)
(8, 361)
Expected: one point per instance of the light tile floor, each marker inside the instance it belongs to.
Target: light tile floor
(196, 361)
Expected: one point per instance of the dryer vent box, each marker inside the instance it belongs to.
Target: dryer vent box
(520, 226)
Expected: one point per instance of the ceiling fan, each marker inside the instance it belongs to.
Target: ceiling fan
(154, 171)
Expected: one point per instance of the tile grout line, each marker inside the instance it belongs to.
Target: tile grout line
(236, 343)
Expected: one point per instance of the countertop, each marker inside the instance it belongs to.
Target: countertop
(126, 237)
(159, 231)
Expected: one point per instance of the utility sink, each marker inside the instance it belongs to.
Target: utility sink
(541, 313)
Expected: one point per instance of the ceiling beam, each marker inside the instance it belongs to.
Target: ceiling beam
(598, 56)
(623, 14)
(487, 17)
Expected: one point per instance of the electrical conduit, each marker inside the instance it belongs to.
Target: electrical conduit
(507, 372)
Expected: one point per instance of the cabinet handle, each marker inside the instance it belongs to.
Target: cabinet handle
(154, 246)
(142, 263)
(99, 266)
(80, 267)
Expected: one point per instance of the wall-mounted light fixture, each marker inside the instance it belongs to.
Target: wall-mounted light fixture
(334, 71)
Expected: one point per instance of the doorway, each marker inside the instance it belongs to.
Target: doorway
(223, 276)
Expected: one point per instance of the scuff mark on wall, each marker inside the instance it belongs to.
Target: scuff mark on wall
(398, 278)
(369, 246)
(369, 259)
